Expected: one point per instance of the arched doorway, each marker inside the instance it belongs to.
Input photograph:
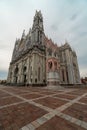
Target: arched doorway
(24, 74)
(16, 74)
(50, 65)
(39, 74)
(55, 65)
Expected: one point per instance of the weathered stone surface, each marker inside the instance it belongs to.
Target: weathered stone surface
(37, 60)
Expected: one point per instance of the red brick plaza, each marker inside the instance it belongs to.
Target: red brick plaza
(24, 108)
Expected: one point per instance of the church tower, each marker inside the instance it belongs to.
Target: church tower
(38, 59)
(37, 29)
(34, 52)
(28, 65)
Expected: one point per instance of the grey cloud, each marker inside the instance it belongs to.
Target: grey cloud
(83, 60)
(83, 33)
(66, 19)
(54, 27)
(74, 17)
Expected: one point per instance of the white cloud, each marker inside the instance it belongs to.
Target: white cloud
(64, 19)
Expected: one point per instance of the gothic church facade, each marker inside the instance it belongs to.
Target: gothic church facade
(36, 60)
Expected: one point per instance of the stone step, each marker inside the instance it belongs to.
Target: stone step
(54, 87)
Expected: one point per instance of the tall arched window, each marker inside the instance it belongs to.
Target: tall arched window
(24, 69)
(16, 74)
(24, 74)
(67, 76)
(25, 80)
(31, 70)
(50, 65)
(55, 65)
(38, 36)
(16, 79)
(16, 71)
(39, 73)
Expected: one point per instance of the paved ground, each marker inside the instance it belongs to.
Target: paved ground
(24, 108)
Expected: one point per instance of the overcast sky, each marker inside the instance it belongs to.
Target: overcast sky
(63, 20)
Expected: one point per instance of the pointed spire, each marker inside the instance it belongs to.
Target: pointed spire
(66, 41)
(39, 13)
(16, 42)
(30, 31)
(36, 12)
(23, 34)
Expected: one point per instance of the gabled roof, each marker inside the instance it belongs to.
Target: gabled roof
(50, 44)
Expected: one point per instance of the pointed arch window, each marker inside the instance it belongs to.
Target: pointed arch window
(16, 74)
(55, 64)
(38, 37)
(24, 69)
(16, 71)
(39, 73)
(50, 65)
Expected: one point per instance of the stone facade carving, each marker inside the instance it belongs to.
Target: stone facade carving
(36, 60)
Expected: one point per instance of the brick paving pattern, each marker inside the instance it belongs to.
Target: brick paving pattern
(31, 96)
(66, 96)
(57, 123)
(27, 108)
(51, 102)
(19, 115)
(78, 111)
(83, 100)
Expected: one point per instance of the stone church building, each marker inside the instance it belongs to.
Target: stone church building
(36, 60)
